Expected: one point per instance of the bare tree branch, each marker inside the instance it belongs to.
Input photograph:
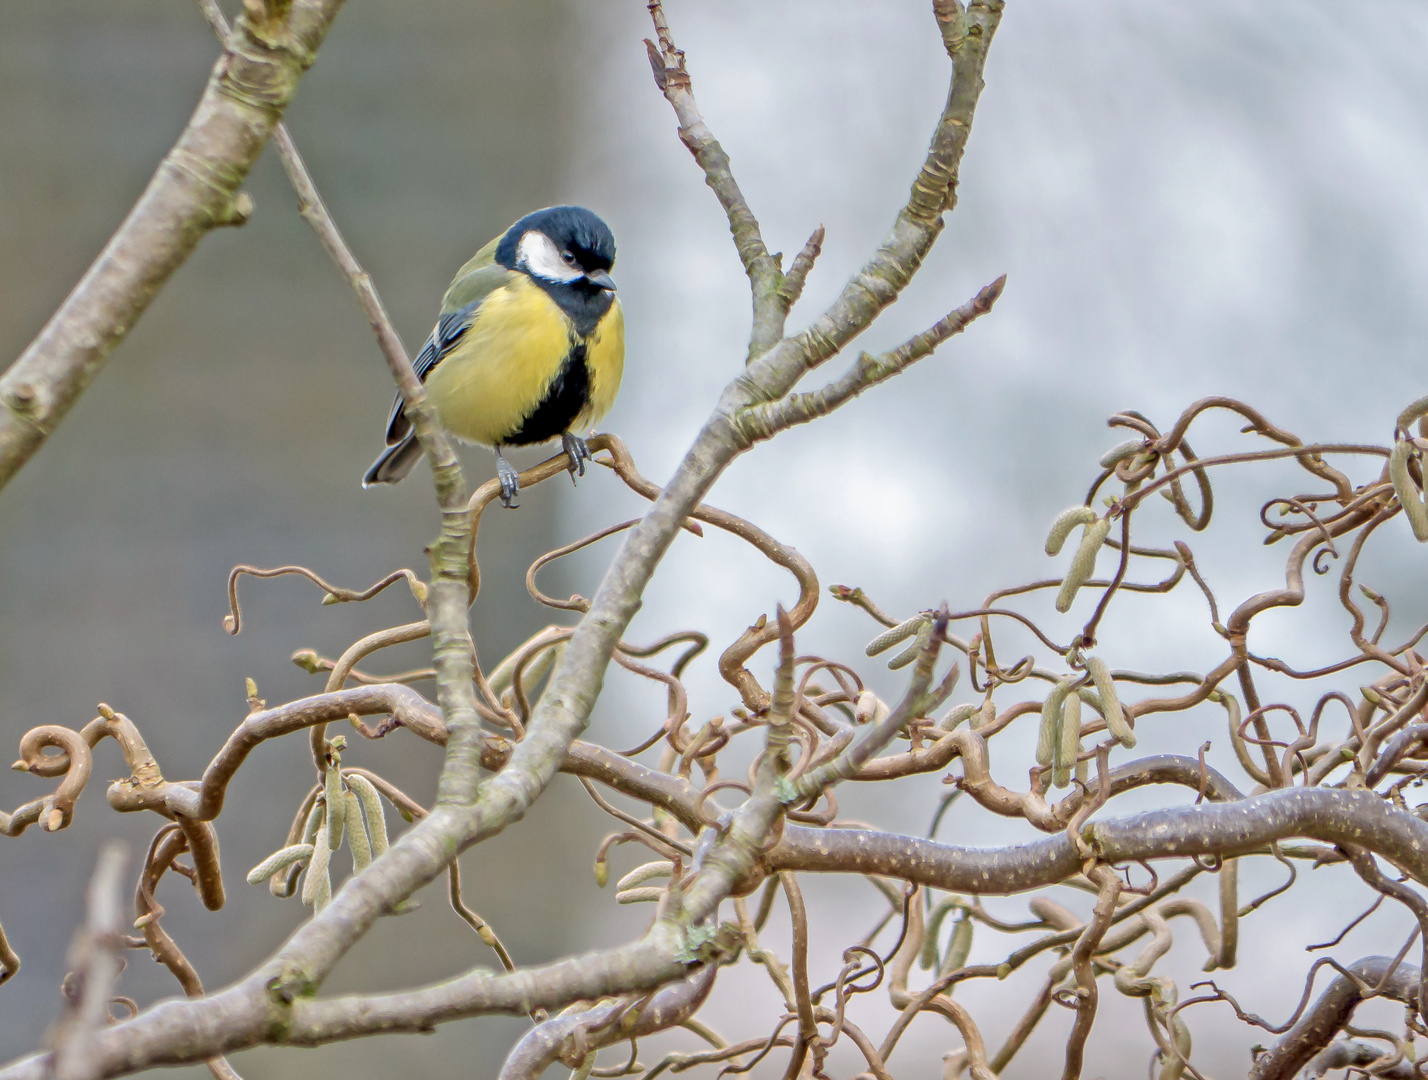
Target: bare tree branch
(1328, 1015)
(764, 421)
(573, 1036)
(95, 964)
(194, 190)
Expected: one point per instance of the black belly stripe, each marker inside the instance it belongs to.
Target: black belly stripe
(567, 395)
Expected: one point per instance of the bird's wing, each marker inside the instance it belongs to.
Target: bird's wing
(473, 281)
(477, 280)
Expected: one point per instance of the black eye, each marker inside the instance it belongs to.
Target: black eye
(568, 258)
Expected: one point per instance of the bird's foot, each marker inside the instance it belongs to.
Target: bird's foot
(510, 482)
(577, 452)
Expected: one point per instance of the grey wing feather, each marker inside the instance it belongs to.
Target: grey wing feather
(449, 330)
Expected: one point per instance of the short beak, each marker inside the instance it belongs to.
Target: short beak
(601, 279)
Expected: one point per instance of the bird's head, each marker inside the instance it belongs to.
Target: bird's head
(561, 245)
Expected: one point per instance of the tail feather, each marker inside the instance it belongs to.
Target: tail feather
(394, 464)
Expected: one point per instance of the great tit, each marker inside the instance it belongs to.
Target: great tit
(530, 345)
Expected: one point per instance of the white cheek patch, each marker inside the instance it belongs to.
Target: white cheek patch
(538, 255)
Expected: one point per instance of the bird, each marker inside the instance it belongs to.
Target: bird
(529, 345)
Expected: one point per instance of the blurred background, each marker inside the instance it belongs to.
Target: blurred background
(1216, 198)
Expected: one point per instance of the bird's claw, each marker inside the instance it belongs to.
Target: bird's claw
(577, 452)
(510, 483)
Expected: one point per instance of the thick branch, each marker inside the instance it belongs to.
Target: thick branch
(193, 190)
(1235, 828)
(605, 1025)
(178, 1031)
(1227, 828)
(1327, 1016)
(1086, 991)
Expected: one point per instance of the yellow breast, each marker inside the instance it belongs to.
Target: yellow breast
(605, 355)
(500, 369)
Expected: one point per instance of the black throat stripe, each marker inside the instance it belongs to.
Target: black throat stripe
(583, 303)
(567, 395)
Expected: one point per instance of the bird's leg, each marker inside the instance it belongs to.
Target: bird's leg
(577, 452)
(510, 481)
